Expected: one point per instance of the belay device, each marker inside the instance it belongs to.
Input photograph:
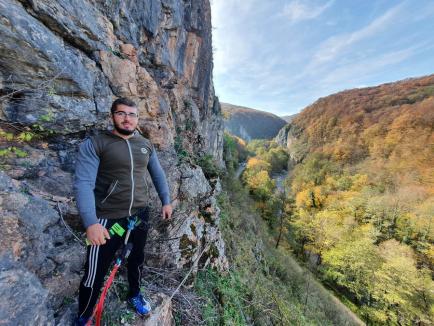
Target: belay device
(133, 221)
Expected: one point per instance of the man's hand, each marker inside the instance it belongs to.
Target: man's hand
(97, 234)
(166, 212)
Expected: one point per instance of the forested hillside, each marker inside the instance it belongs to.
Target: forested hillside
(363, 193)
(249, 123)
(264, 284)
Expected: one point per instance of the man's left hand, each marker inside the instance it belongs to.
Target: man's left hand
(166, 212)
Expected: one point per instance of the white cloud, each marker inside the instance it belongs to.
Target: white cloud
(356, 73)
(350, 73)
(299, 10)
(335, 45)
(341, 50)
(264, 60)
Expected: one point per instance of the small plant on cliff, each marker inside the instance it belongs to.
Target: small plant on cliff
(12, 138)
(187, 104)
(47, 117)
(26, 136)
(12, 150)
(189, 125)
(41, 132)
(209, 166)
(40, 128)
(180, 151)
(116, 53)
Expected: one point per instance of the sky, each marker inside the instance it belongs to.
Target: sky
(280, 56)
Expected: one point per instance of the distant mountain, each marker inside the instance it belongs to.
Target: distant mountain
(249, 124)
(288, 118)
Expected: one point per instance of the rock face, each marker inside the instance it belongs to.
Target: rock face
(282, 135)
(287, 134)
(62, 63)
(161, 314)
(287, 137)
(21, 283)
(40, 262)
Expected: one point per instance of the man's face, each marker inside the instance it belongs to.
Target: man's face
(125, 119)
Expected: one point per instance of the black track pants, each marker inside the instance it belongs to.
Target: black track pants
(100, 259)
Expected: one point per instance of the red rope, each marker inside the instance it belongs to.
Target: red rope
(100, 305)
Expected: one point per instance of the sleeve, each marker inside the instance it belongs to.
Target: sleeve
(86, 170)
(158, 178)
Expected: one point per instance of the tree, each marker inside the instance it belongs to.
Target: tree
(404, 291)
(261, 186)
(313, 171)
(278, 159)
(352, 264)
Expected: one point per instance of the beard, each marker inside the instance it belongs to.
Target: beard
(123, 131)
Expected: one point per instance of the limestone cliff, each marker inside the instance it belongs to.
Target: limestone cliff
(286, 137)
(62, 63)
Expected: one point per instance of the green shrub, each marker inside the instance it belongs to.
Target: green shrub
(209, 166)
(224, 296)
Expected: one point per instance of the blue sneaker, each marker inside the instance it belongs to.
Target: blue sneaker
(140, 304)
(81, 321)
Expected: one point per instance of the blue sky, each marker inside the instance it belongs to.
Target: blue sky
(280, 56)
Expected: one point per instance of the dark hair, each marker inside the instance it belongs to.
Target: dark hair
(124, 101)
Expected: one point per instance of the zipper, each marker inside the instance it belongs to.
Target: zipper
(113, 188)
(132, 177)
(147, 190)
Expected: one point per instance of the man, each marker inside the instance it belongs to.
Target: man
(110, 188)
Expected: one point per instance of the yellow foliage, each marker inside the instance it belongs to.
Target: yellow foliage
(261, 180)
(331, 182)
(359, 181)
(255, 164)
(430, 254)
(8, 136)
(400, 278)
(310, 198)
(329, 227)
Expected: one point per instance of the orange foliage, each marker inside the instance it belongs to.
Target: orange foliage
(392, 124)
